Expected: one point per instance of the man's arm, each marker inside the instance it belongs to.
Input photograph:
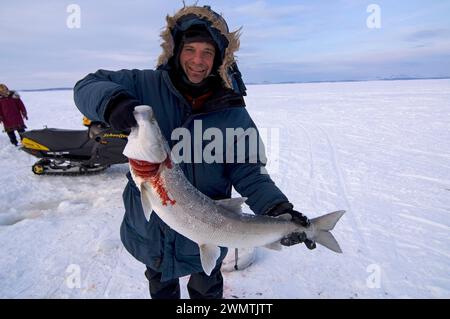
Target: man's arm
(22, 109)
(257, 186)
(100, 93)
(245, 165)
(1, 113)
(251, 180)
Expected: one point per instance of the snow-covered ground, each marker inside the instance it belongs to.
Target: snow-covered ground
(380, 150)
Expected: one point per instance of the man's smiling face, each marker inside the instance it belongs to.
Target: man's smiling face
(197, 60)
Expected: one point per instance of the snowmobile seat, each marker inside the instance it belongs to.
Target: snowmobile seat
(59, 139)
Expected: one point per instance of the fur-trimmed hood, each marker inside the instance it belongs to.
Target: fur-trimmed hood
(5, 92)
(227, 42)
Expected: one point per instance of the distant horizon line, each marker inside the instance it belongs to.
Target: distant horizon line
(280, 82)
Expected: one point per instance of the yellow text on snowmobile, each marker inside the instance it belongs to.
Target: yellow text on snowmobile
(112, 135)
(28, 143)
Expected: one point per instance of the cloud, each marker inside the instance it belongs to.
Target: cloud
(123, 56)
(378, 57)
(408, 62)
(281, 41)
(54, 75)
(22, 79)
(276, 32)
(262, 10)
(428, 34)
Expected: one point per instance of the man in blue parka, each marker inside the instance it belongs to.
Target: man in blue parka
(197, 79)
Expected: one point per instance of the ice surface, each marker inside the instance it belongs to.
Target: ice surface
(379, 150)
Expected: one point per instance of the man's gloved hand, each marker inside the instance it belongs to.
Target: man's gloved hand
(297, 238)
(122, 118)
(119, 113)
(297, 217)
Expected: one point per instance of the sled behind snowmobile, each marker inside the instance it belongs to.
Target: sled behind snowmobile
(69, 152)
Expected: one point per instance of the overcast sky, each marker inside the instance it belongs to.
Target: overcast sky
(281, 40)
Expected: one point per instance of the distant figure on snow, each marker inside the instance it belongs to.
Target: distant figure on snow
(12, 113)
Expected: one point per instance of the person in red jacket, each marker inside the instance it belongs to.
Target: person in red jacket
(12, 113)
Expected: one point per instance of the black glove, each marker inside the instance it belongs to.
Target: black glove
(298, 218)
(119, 113)
(297, 238)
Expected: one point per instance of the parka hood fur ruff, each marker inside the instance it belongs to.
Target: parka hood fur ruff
(168, 44)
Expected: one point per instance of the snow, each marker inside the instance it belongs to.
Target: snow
(379, 150)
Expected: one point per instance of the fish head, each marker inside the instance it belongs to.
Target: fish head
(146, 142)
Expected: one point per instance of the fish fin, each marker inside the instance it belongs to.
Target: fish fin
(146, 204)
(274, 246)
(208, 256)
(325, 238)
(232, 204)
(328, 221)
(323, 225)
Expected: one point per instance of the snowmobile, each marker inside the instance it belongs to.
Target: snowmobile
(75, 152)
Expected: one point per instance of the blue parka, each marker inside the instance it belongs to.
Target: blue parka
(154, 243)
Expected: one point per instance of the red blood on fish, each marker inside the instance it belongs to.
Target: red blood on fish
(158, 184)
(144, 169)
(150, 172)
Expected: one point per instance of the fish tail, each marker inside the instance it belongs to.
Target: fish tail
(323, 225)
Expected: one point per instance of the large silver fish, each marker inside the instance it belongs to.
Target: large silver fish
(209, 223)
